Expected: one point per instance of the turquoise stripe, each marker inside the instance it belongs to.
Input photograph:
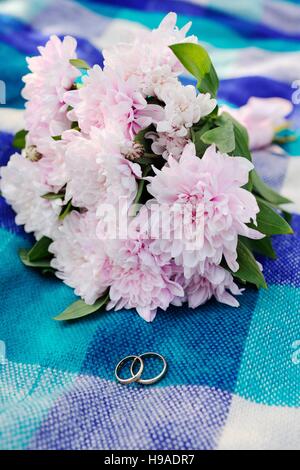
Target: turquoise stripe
(207, 30)
(294, 2)
(293, 148)
(24, 10)
(30, 302)
(13, 67)
(239, 8)
(268, 373)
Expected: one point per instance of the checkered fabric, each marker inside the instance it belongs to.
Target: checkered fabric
(234, 374)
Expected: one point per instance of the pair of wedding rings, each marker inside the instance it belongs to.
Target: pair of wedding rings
(136, 376)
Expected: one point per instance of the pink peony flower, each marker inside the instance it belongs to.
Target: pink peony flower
(51, 76)
(97, 172)
(80, 256)
(52, 159)
(214, 282)
(139, 279)
(262, 117)
(208, 208)
(105, 98)
(22, 184)
(148, 57)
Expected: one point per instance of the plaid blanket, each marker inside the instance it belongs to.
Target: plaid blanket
(234, 374)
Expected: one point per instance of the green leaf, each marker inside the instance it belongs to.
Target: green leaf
(288, 216)
(38, 256)
(49, 271)
(262, 247)
(241, 138)
(241, 143)
(140, 191)
(141, 186)
(140, 136)
(80, 64)
(214, 112)
(66, 210)
(40, 249)
(81, 309)
(197, 61)
(147, 160)
(196, 135)
(141, 139)
(270, 222)
(20, 139)
(266, 192)
(154, 100)
(223, 136)
(248, 268)
(41, 263)
(53, 196)
(75, 126)
(56, 137)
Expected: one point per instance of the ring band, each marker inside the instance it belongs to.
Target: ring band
(134, 377)
(154, 379)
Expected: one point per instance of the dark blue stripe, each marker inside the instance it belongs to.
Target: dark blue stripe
(238, 90)
(6, 147)
(246, 28)
(286, 269)
(7, 215)
(26, 39)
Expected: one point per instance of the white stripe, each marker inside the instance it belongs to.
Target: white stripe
(21, 9)
(240, 8)
(280, 15)
(67, 17)
(118, 31)
(253, 426)
(251, 61)
(11, 120)
(290, 187)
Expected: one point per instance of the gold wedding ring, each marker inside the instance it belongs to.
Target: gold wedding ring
(136, 377)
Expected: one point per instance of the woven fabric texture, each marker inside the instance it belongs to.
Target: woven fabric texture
(234, 374)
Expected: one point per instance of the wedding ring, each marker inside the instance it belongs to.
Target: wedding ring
(134, 377)
(153, 379)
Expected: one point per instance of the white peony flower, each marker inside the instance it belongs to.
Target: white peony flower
(184, 107)
(22, 184)
(166, 144)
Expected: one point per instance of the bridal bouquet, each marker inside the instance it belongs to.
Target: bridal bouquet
(140, 190)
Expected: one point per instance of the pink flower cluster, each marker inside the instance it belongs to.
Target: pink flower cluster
(262, 117)
(93, 162)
